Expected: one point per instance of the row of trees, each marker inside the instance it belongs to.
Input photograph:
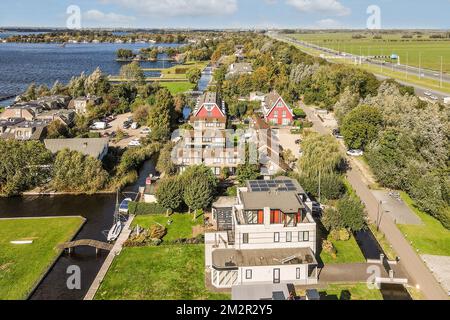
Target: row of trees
(194, 189)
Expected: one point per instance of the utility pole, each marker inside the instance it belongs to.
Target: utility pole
(442, 69)
(320, 180)
(406, 66)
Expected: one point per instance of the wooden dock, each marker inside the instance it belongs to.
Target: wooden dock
(116, 250)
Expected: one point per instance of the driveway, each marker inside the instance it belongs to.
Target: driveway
(117, 125)
(412, 263)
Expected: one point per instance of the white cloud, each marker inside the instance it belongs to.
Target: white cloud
(106, 18)
(333, 7)
(328, 24)
(179, 7)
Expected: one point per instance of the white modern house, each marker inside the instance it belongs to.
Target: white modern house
(268, 236)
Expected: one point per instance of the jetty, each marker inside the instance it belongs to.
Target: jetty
(115, 251)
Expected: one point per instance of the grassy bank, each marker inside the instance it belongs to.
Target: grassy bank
(429, 238)
(347, 252)
(158, 273)
(178, 87)
(180, 227)
(22, 266)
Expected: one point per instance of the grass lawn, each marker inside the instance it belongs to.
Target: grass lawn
(21, 266)
(347, 252)
(158, 273)
(385, 245)
(358, 291)
(177, 87)
(181, 228)
(430, 238)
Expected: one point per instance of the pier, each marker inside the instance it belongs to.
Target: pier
(115, 251)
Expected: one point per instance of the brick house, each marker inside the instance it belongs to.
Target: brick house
(276, 111)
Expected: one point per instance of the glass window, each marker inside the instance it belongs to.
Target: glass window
(245, 238)
(289, 236)
(298, 272)
(276, 237)
(248, 274)
(276, 217)
(303, 236)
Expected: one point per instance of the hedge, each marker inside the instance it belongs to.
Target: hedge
(141, 208)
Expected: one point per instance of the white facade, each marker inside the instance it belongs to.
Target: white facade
(276, 244)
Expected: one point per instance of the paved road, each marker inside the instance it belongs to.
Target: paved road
(413, 265)
(420, 90)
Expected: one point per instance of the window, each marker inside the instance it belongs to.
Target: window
(303, 236)
(254, 217)
(289, 236)
(290, 220)
(248, 274)
(276, 237)
(245, 238)
(275, 114)
(298, 273)
(284, 114)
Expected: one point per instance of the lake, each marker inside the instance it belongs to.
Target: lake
(22, 64)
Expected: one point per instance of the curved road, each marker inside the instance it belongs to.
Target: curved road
(411, 262)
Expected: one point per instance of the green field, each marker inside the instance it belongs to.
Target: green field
(411, 51)
(181, 226)
(22, 266)
(177, 87)
(158, 273)
(431, 238)
(347, 252)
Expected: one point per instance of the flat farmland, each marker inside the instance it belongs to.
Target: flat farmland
(411, 50)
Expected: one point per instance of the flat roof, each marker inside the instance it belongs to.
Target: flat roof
(224, 202)
(288, 202)
(92, 146)
(232, 259)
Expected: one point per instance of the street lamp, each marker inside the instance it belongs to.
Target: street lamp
(379, 214)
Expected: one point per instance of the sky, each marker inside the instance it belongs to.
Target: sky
(209, 14)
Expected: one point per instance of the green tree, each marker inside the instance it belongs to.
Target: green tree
(361, 126)
(56, 130)
(75, 172)
(198, 194)
(161, 115)
(165, 163)
(349, 214)
(170, 193)
(23, 165)
(194, 75)
(124, 54)
(133, 73)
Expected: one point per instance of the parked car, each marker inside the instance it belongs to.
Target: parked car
(134, 125)
(298, 141)
(126, 125)
(99, 126)
(134, 143)
(146, 131)
(355, 153)
(428, 94)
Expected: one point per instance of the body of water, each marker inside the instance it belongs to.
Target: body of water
(99, 212)
(22, 63)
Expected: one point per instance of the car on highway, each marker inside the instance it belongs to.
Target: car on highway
(134, 143)
(434, 98)
(355, 153)
(428, 94)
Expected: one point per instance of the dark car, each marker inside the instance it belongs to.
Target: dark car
(298, 141)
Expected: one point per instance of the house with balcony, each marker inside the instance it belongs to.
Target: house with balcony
(207, 143)
(265, 236)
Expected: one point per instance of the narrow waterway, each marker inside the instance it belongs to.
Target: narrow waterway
(97, 209)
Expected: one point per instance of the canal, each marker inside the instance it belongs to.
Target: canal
(97, 209)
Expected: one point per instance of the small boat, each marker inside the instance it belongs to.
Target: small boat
(22, 242)
(124, 206)
(115, 231)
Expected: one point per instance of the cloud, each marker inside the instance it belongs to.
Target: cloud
(106, 18)
(178, 7)
(332, 7)
(328, 24)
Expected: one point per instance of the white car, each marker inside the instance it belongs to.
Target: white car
(146, 131)
(428, 94)
(134, 143)
(355, 153)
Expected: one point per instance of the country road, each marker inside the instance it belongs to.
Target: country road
(413, 265)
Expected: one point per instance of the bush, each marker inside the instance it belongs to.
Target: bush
(141, 209)
(329, 248)
(232, 191)
(299, 113)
